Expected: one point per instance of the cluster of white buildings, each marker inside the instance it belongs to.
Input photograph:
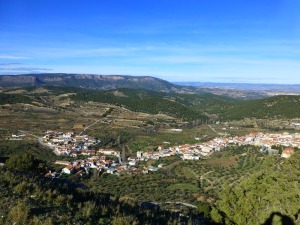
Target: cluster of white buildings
(68, 143)
(102, 164)
(205, 149)
(285, 139)
(83, 166)
(187, 151)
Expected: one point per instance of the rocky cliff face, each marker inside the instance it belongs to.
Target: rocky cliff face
(88, 81)
(17, 80)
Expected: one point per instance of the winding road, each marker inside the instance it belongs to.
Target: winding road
(40, 140)
(87, 127)
(212, 128)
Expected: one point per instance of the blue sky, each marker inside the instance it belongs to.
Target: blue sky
(255, 41)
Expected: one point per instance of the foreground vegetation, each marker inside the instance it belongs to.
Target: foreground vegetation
(229, 188)
(29, 198)
(271, 196)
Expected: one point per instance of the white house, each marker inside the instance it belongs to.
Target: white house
(68, 169)
(190, 157)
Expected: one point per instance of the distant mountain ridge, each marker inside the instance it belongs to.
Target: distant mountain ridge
(101, 82)
(288, 88)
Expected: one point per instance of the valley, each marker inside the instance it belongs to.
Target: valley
(168, 151)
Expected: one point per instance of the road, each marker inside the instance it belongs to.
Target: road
(120, 159)
(212, 129)
(40, 140)
(44, 100)
(176, 203)
(182, 203)
(87, 127)
(204, 177)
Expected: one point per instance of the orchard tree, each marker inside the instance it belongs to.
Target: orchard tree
(270, 194)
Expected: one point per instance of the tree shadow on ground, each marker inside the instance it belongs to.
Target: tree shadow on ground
(285, 220)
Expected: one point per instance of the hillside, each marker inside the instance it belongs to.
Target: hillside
(203, 106)
(100, 82)
(142, 101)
(186, 107)
(110, 82)
(284, 106)
(131, 120)
(29, 198)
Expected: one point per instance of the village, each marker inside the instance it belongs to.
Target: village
(109, 160)
(68, 143)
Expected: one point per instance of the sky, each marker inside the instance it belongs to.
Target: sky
(232, 41)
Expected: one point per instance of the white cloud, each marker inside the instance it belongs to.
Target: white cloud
(13, 57)
(11, 64)
(24, 69)
(20, 68)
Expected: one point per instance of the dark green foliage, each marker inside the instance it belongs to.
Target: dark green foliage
(23, 163)
(201, 106)
(36, 200)
(13, 98)
(11, 148)
(207, 102)
(142, 101)
(273, 107)
(274, 190)
(157, 96)
(107, 112)
(204, 208)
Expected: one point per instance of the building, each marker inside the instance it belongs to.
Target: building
(139, 154)
(68, 169)
(287, 152)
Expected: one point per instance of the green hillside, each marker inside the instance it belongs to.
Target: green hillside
(143, 101)
(206, 102)
(271, 194)
(27, 197)
(202, 106)
(274, 107)
(13, 98)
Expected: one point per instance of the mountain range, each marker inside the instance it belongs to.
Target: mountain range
(88, 81)
(154, 95)
(109, 82)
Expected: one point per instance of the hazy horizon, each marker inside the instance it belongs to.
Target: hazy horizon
(196, 41)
